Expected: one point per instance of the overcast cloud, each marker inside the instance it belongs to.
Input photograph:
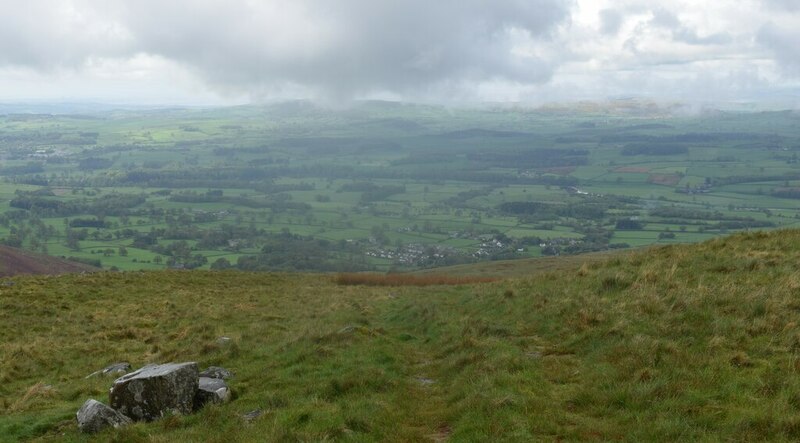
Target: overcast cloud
(215, 51)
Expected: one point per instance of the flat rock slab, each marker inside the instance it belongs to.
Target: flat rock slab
(94, 416)
(211, 390)
(216, 372)
(113, 369)
(155, 391)
(252, 415)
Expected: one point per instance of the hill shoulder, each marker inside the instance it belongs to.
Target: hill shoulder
(524, 267)
(15, 261)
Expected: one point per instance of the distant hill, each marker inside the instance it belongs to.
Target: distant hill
(15, 261)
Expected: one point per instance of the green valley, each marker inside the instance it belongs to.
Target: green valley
(387, 186)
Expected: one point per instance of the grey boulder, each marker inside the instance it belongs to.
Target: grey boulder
(94, 416)
(155, 391)
(211, 390)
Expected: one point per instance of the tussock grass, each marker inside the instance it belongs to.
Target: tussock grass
(39, 390)
(354, 279)
(675, 343)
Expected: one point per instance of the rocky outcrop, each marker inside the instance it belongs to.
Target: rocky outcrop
(155, 391)
(94, 416)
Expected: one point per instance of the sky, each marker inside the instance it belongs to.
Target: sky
(219, 52)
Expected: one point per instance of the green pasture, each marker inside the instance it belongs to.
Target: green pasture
(457, 167)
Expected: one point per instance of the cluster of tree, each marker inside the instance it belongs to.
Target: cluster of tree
(595, 238)
(109, 204)
(589, 209)
(277, 202)
(256, 177)
(371, 192)
(88, 223)
(531, 159)
(291, 252)
(93, 163)
(628, 137)
(279, 188)
(787, 193)
(461, 199)
(736, 179)
(742, 224)
(654, 149)
(86, 261)
(179, 255)
(676, 212)
(228, 236)
(628, 224)
(681, 215)
(28, 168)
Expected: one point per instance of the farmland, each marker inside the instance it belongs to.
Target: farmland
(384, 186)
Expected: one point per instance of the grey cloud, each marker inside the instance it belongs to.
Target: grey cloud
(610, 21)
(339, 48)
(682, 33)
(783, 43)
(342, 48)
(691, 37)
(784, 5)
(45, 35)
(411, 49)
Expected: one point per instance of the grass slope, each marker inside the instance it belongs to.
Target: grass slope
(15, 261)
(522, 267)
(675, 343)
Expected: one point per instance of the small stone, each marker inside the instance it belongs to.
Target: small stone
(117, 368)
(211, 390)
(425, 381)
(94, 416)
(113, 369)
(222, 341)
(347, 330)
(252, 415)
(216, 372)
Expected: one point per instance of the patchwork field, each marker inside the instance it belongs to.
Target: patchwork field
(385, 186)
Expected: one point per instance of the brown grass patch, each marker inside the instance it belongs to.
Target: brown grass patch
(352, 279)
(38, 390)
(664, 179)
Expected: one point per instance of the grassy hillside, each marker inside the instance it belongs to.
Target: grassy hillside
(523, 267)
(675, 343)
(15, 261)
